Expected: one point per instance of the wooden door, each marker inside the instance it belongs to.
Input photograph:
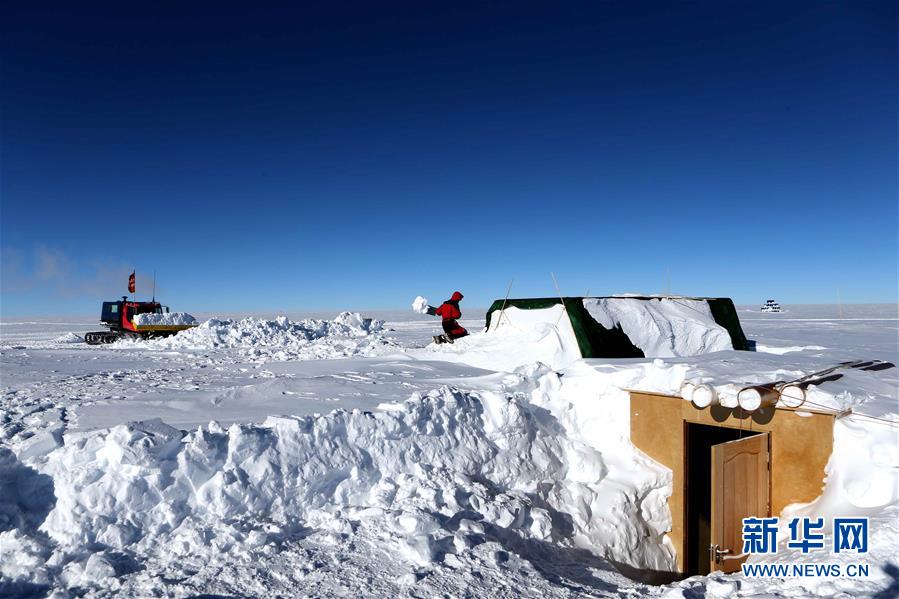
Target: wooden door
(740, 473)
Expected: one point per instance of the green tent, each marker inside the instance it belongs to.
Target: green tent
(596, 341)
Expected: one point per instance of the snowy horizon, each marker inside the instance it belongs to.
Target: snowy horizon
(828, 310)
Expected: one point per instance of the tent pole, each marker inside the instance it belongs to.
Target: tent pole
(503, 309)
(564, 307)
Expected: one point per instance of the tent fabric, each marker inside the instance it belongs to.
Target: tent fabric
(596, 341)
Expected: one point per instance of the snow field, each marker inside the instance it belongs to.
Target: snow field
(488, 485)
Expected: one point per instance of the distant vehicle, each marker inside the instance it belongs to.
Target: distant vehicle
(771, 306)
(119, 318)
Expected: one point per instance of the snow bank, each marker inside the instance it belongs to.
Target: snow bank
(420, 305)
(517, 338)
(443, 473)
(662, 328)
(169, 319)
(69, 338)
(349, 334)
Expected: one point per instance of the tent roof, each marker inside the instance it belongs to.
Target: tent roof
(596, 341)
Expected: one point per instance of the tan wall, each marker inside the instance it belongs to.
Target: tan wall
(800, 448)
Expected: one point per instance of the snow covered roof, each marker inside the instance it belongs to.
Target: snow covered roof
(632, 326)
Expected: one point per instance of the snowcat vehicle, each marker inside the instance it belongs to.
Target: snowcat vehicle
(119, 318)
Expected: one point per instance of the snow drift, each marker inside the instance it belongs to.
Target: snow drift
(442, 474)
(517, 338)
(349, 334)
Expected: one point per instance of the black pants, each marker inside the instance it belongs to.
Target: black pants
(453, 329)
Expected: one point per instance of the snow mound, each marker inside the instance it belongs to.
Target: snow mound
(443, 474)
(420, 305)
(69, 338)
(348, 334)
(517, 338)
(169, 318)
(662, 328)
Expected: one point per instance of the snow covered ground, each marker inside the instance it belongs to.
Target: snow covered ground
(324, 456)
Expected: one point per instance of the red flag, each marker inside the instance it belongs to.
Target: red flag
(131, 282)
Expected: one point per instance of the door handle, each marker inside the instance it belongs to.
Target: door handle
(715, 554)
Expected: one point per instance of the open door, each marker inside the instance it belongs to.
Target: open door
(739, 490)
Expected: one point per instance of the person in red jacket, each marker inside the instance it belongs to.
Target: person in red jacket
(449, 311)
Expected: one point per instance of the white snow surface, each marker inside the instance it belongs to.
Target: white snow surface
(348, 334)
(662, 327)
(69, 338)
(398, 468)
(169, 318)
(517, 338)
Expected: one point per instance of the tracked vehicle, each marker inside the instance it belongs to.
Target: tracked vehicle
(119, 318)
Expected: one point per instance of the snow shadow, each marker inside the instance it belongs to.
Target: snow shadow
(892, 590)
(23, 590)
(572, 568)
(26, 495)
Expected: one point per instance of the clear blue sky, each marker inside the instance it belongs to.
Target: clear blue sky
(287, 156)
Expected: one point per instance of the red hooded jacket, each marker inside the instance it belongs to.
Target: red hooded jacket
(449, 310)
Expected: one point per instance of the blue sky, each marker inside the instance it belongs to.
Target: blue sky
(291, 156)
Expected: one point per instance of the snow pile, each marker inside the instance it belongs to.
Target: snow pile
(442, 474)
(662, 328)
(420, 305)
(516, 338)
(69, 338)
(349, 334)
(167, 319)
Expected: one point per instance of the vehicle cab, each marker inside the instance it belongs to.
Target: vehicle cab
(120, 314)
